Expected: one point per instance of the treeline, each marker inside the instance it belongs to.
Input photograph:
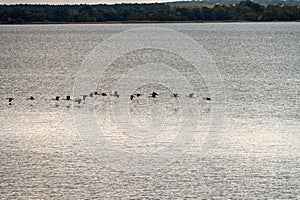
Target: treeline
(245, 10)
(224, 2)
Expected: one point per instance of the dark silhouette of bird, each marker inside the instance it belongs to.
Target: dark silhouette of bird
(68, 98)
(207, 98)
(95, 93)
(84, 97)
(104, 94)
(10, 99)
(191, 95)
(138, 95)
(175, 95)
(78, 100)
(31, 98)
(131, 97)
(154, 94)
(56, 98)
(92, 94)
(116, 94)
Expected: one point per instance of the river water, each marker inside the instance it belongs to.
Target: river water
(158, 146)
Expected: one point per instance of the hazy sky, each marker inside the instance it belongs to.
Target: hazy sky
(77, 1)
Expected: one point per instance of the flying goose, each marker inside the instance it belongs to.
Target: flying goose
(78, 100)
(10, 99)
(31, 98)
(131, 97)
(84, 97)
(154, 94)
(68, 98)
(191, 95)
(56, 98)
(116, 94)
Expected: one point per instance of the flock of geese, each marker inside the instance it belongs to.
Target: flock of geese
(115, 94)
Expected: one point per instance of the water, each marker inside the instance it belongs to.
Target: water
(257, 154)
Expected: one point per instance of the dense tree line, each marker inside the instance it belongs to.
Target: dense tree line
(224, 2)
(245, 10)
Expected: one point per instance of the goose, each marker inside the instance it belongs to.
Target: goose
(131, 97)
(191, 95)
(92, 94)
(175, 95)
(138, 95)
(154, 94)
(31, 98)
(116, 94)
(84, 97)
(68, 98)
(78, 100)
(207, 98)
(10, 99)
(104, 94)
(56, 98)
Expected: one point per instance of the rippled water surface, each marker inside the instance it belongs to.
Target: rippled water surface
(256, 155)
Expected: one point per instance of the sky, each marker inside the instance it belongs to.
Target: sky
(77, 1)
